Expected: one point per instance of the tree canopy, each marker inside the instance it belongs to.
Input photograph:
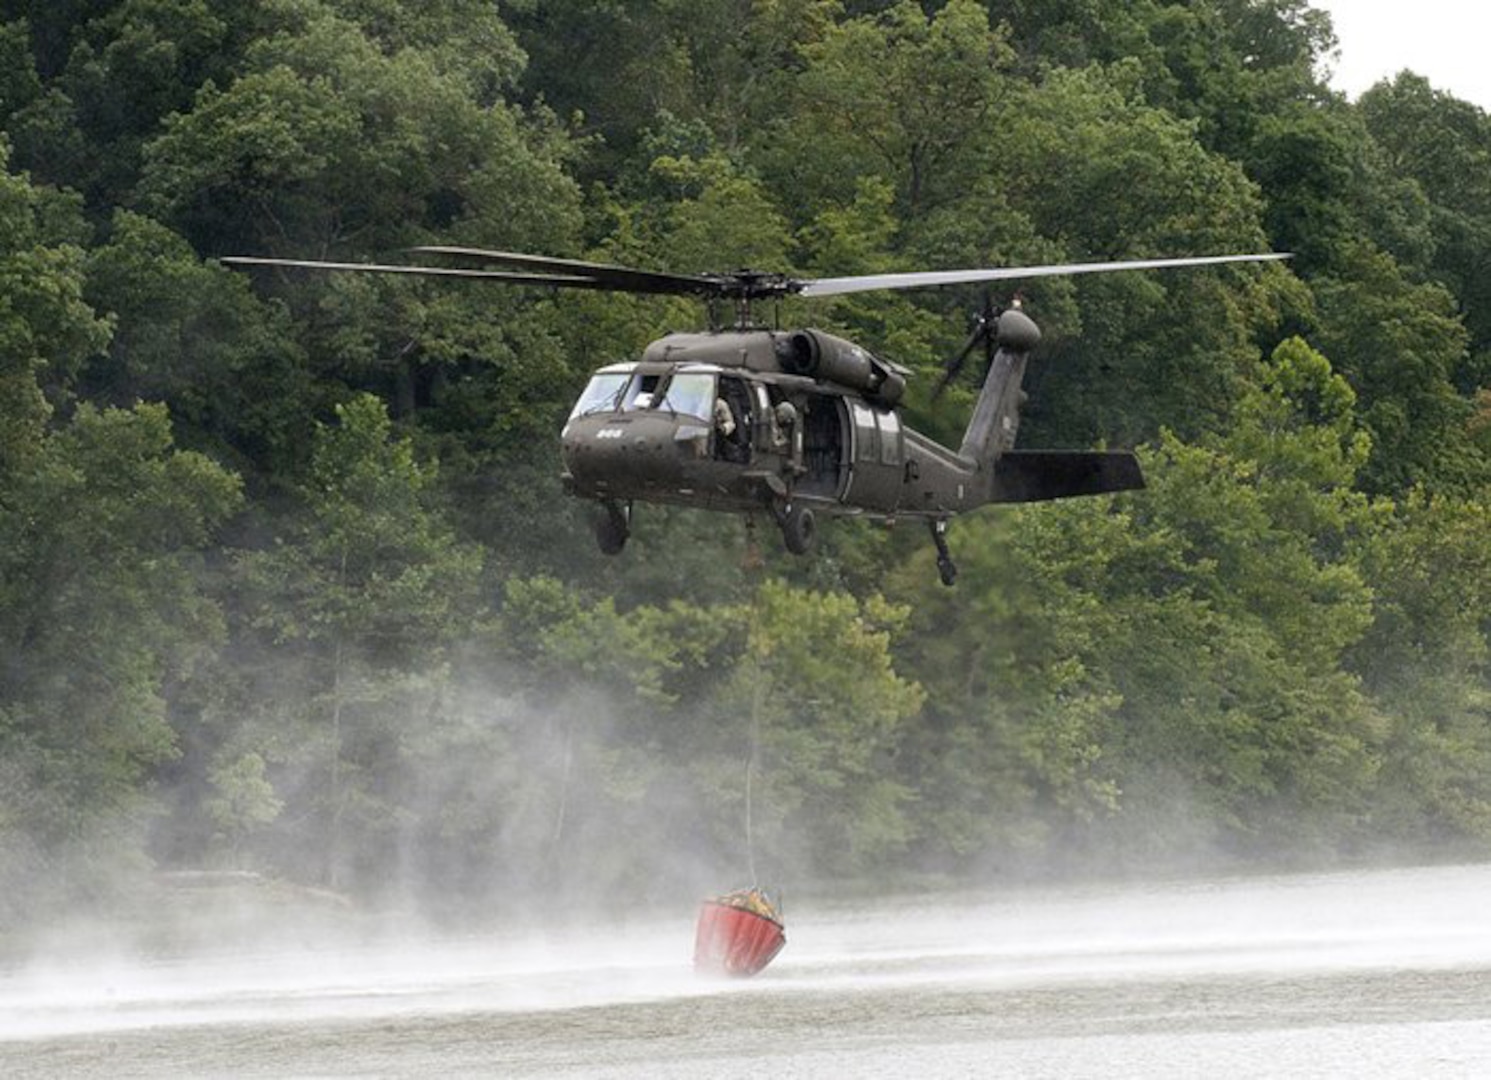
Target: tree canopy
(289, 583)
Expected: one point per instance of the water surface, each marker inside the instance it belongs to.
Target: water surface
(1368, 974)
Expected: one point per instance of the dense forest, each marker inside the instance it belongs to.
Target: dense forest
(289, 583)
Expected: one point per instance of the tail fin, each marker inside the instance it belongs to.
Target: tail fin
(996, 416)
(1032, 475)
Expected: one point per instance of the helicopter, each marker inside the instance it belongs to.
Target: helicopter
(796, 424)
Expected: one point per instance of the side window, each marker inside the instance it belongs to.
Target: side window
(865, 448)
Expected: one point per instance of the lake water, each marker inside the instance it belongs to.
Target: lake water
(1362, 974)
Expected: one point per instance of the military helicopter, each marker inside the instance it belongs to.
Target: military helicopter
(795, 424)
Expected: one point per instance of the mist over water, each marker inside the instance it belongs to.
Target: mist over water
(1379, 973)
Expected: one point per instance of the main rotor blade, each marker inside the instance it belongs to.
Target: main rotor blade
(604, 275)
(562, 281)
(870, 282)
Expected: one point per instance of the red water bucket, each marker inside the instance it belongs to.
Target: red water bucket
(737, 934)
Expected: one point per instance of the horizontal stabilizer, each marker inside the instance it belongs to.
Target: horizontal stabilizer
(1037, 475)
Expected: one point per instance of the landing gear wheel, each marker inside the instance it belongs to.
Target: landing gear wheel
(799, 529)
(612, 529)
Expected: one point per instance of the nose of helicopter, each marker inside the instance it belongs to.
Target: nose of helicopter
(619, 455)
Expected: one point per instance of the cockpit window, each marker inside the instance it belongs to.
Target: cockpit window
(639, 392)
(690, 394)
(602, 393)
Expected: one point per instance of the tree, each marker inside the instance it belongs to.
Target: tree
(195, 337)
(1398, 343)
(1443, 145)
(663, 738)
(46, 328)
(385, 676)
(613, 67)
(900, 97)
(1160, 675)
(326, 141)
(1108, 177)
(1013, 755)
(1425, 662)
(820, 727)
(103, 615)
(244, 801)
(1258, 601)
(351, 616)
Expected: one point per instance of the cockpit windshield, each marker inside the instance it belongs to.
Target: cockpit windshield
(690, 394)
(602, 393)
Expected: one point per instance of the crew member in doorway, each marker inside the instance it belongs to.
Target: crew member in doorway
(724, 419)
(732, 443)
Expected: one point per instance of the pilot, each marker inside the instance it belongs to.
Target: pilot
(724, 418)
(787, 433)
(733, 443)
(785, 417)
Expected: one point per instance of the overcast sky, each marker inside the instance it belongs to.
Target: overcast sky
(1443, 40)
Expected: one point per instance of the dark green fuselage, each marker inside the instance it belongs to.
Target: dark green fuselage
(839, 444)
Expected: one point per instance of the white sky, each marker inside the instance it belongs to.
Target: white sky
(1446, 41)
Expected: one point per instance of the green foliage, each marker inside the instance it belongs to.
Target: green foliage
(46, 329)
(20, 86)
(244, 799)
(1443, 146)
(1425, 659)
(897, 96)
(828, 720)
(723, 217)
(1011, 753)
(400, 648)
(782, 746)
(1164, 674)
(467, 38)
(195, 337)
(326, 139)
(1102, 175)
(101, 536)
(354, 613)
(1399, 344)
